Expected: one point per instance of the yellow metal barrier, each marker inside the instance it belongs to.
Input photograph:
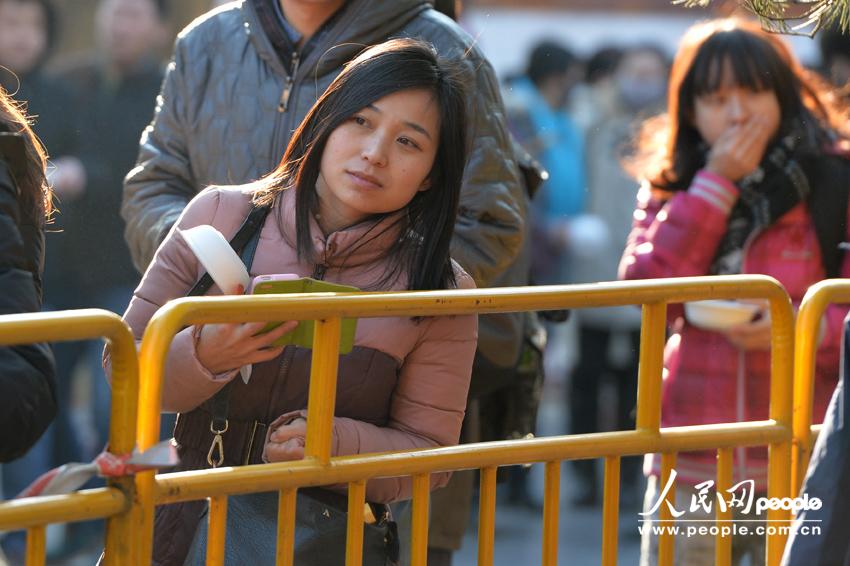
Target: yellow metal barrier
(114, 501)
(319, 469)
(812, 309)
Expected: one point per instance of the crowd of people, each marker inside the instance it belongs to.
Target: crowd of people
(406, 165)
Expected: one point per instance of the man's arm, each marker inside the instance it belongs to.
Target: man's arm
(489, 229)
(158, 188)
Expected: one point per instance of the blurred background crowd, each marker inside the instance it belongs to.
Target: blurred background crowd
(576, 76)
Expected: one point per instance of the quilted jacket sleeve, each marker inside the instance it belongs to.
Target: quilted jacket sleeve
(678, 237)
(162, 183)
(489, 230)
(175, 269)
(27, 374)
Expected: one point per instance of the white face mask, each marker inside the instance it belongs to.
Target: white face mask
(638, 94)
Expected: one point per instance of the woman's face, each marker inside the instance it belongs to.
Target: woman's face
(733, 105)
(23, 35)
(378, 159)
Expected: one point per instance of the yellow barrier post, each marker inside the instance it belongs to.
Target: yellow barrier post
(354, 534)
(610, 511)
(666, 544)
(551, 508)
(322, 396)
(806, 336)
(216, 530)
(419, 520)
(486, 515)
(653, 329)
(723, 544)
(36, 545)
(79, 325)
(286, 527)
(809, 316)
(781, 387)
(152, 353)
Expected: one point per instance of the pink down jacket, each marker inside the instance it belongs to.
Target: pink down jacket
(706, 378)
(434, 356)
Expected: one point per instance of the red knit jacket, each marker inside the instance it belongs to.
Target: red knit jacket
(707, 379)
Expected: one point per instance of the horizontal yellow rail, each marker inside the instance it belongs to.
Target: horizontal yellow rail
(198, 484)
(112, 502)
(328, 309)
(320, 306)
(807, 332)
(129, 531)
(80, 506)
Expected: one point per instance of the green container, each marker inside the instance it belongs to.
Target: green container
(303, 334)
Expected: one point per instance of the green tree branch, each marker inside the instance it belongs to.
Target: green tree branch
(796, 17)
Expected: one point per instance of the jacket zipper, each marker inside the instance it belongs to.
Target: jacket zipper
(319, 271)
(320, 268)
(290, 83)
(285, 362)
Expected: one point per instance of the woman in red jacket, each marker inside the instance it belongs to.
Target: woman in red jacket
(743, 174)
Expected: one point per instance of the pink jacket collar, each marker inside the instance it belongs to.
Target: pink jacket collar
(361, 244)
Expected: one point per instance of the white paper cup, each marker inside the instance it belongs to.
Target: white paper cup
(217, 257)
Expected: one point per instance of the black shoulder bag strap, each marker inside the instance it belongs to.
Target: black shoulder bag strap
(245, 244)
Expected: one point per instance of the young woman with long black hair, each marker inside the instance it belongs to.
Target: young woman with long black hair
(365, 195)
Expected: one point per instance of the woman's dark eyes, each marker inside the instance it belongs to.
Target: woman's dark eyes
(361, 121)
(408, 142)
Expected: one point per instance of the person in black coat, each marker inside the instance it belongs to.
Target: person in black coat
(27, 34)
(27, 380)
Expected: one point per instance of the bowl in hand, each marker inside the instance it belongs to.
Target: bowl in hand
(720, 315)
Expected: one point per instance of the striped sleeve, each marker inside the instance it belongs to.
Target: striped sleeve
(715, 190)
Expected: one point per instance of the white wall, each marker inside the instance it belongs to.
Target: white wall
(507, 35)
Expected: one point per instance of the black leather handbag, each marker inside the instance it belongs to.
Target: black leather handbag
(320, 532)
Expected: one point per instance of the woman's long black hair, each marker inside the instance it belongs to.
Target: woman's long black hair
(426, 228)
(669, 147)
